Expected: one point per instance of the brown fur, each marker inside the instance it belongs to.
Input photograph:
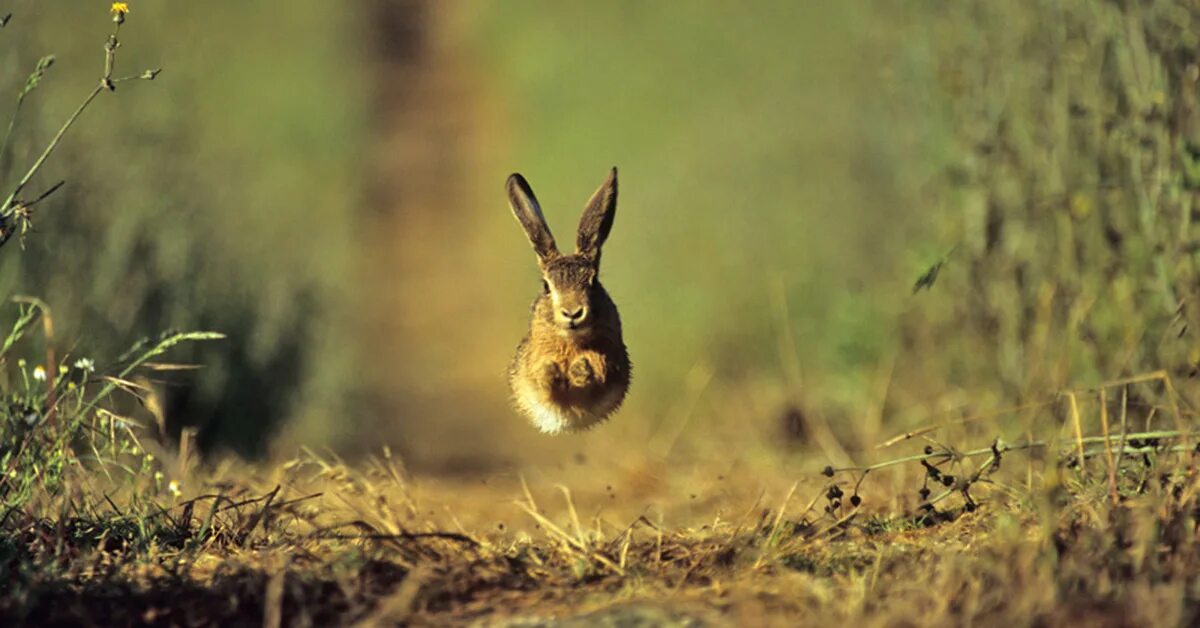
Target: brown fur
(572, 370)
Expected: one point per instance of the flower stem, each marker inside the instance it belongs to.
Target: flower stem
(110, 52)
(41, 160)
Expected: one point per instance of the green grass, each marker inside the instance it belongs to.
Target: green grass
(185, 197)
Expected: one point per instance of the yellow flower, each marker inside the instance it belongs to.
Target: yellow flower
(120, 8)
(173, 487)
(39, 373)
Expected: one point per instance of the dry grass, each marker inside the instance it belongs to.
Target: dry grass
(683, 540)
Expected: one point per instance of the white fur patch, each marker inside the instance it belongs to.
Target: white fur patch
(553, 418)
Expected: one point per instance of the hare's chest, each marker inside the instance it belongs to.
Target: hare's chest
(564, 352)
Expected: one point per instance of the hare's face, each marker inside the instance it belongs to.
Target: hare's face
(568, 283)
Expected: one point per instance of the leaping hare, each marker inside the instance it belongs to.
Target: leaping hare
(571, 371)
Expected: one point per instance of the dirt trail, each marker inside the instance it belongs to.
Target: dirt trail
(434, 126)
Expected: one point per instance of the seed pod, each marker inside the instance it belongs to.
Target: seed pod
(931, 470)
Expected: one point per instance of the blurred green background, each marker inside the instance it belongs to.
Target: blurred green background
(323, 183)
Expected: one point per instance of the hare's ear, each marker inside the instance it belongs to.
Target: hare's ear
(597, 219)
(529, 213)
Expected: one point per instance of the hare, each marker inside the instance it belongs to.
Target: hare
(571, 370)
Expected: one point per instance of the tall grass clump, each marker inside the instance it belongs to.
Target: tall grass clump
(72, 459)
(191, 220)
(1066, 194)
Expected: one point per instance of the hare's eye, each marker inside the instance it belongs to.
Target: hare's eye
(545, 286)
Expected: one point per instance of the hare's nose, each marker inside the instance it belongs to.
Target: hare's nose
(576, 315)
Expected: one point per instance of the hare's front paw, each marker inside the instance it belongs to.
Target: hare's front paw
(552, 376)
(581, 373)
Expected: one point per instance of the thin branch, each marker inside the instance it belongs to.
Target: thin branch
(1006, 447)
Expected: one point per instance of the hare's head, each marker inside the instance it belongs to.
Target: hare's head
(570, 283)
